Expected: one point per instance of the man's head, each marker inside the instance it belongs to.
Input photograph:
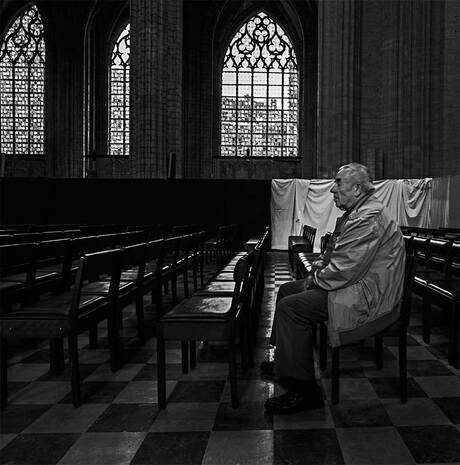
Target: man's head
(352, 182)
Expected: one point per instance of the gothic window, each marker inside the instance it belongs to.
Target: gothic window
(119, 96)
(259, 106)
(22, 82)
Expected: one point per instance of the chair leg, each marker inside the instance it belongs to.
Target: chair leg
(3, 373)
(161, 368)
(426, 318)
(402, 352)
(453, 354)
(184, 347)
(185, 278)
(93, 336)
(114, 342)
(195, 276)
(140, 319)
(202, 272)
(174, 289)
(192, 348)
(322, 346)
(74, 369)
(56, 355)
(232, 370)
(378, 344)
(335, 375)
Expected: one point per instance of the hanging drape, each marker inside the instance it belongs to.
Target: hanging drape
(296, 202)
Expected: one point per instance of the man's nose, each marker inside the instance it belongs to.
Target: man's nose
(332, 189)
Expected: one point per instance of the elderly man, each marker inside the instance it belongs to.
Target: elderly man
(356, 285)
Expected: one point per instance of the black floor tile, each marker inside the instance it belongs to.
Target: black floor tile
(427, 368)
(125, 417)
(197, 391)
(348, 369)
(97, 392)
(248, 416)
(451, 407)
(353, 413)
(185, 448)
(16, 386)
(37, 449)
(394, 341)
(40, 356)
(432, 444)
(85, 370)
(16, 418)
(302, 447)
(390, 387)
(137, 355)
(149, 372)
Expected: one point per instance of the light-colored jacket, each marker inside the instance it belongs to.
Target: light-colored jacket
(365, 275)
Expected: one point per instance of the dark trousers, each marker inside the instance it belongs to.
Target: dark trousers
(296, 312)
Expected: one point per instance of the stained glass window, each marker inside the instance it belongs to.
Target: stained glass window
(22, 85)
(259, 106)
(119, 96)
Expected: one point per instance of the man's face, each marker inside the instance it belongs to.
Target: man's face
(344, 190)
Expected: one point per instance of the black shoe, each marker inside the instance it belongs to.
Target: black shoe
(294, 401)
(268, 369)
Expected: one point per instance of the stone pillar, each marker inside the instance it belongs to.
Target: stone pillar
(338, 84)
(156, 86)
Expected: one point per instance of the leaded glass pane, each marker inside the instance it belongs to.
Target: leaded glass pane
(118, 143)
(22, 86)
(259, 85)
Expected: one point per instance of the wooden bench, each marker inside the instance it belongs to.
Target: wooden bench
(303, 243)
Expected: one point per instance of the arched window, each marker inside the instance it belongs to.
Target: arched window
(22, 86)
(119, 96)
(259, 106)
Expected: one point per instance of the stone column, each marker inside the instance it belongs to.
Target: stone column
(156, 86)
(338, 84)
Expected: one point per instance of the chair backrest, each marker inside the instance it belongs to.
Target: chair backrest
(439, 254)
(18, 258)
(134, 256)
(154, 253)
(171, 248)
(420, 248)
(241, 278)
(453, 269)
(409, 272)
(84, 245)
(107, 263)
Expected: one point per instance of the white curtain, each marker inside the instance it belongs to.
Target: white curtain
(296, 202)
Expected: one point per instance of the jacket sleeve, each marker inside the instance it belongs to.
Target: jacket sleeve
(353, 254)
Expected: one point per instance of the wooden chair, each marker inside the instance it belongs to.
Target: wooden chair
(17, 273)
(204, 317)
(399, 329)
(67, 315)
(303, 243)
(445, 292)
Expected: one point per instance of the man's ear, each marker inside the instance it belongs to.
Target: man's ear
(358, 190)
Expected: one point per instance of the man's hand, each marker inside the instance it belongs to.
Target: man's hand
(318, 264)
(309, 284)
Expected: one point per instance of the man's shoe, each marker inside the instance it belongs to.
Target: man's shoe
(268, 369)
(293, 401)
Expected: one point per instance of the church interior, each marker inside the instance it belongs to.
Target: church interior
(165, 167)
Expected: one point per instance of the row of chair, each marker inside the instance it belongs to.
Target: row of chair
(452, 234)
(105, 282)
(221, 246)
(226, 309)
(437, 281)
(303, 243)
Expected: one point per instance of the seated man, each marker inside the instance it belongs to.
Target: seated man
(356, 285)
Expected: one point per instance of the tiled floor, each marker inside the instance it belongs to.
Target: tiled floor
(119, 422)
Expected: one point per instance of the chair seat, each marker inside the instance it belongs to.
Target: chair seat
(8, 286)
(297, 240)
(17, 278)
(102, 287)
(223, 277)
(199, 308)
(218, 287)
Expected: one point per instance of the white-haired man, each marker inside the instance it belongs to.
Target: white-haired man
(356, 285)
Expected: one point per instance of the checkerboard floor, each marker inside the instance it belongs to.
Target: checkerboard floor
(119, 422)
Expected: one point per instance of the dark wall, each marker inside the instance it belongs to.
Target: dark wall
(178, 201)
